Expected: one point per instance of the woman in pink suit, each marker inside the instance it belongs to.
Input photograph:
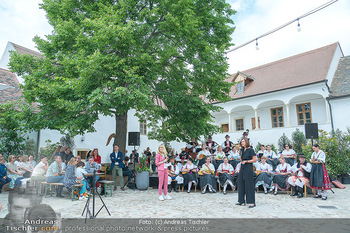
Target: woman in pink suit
(162, 165)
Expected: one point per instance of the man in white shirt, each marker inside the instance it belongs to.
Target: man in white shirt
(40, 169)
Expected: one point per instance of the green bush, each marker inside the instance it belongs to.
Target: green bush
(282, 141)
(48, 150)
(336, 147)
(298, 140)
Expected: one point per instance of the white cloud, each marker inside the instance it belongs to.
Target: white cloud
(21, 20)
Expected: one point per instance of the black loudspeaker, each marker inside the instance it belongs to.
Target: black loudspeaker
(134, 138)
(311, 130)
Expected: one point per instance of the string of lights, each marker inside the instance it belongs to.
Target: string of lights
(283, 26)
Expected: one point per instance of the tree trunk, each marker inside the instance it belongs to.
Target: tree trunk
(121, 129)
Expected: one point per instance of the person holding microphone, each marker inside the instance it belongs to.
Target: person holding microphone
(162, 165)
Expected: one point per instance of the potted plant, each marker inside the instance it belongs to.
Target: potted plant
(142, 174)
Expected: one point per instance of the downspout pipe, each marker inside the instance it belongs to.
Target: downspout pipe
(329, 103)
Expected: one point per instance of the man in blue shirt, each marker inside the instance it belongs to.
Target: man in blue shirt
(4, 179)
(117, 165)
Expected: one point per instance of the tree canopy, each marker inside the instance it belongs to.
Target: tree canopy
(163, 58)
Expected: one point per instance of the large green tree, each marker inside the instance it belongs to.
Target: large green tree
(163, 58)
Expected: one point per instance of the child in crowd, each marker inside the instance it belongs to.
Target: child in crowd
(79, 173)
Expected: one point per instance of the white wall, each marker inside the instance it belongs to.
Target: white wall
(105, 126)
(340, 113)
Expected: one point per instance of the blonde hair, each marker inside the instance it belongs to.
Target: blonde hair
(24, 158)
(71, 161)
(165, 153)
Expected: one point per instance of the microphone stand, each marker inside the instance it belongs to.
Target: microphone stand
(93, 191)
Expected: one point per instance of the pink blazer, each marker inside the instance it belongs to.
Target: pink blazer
(160, 158)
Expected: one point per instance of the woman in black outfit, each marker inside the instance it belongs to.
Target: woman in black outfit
(245, 181)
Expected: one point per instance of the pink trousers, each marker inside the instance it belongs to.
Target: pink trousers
(163, 182)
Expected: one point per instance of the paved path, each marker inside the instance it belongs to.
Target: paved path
(144, 204)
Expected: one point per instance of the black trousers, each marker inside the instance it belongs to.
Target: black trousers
(245, 184)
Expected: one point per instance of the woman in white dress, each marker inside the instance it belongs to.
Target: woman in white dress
(289, 154)
(226, 173)
(207, 179)
(264, 178)
(189, 173)
(280, 179)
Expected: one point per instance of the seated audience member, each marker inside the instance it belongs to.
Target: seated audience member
(26, 167)
(57, 152)
(262, 152)
(4, 179)
(79, 159)
(32, 161)
(90, 167)
(40, 169)
(207, 178)
(283, 171)
(18, 160)
(97, 157)
(173, 175)
(126, 170)
(13, 172)
(226, 173)
(271, 157)
(301, 175)
(233, 154)
(79, 173)
(184, 155)
(219, 154)
(289, 154)
(189, 171)
(53, 174)
(70, 179)
(264, 178)
(203, 153)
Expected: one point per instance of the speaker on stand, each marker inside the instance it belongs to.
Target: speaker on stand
(311, 131)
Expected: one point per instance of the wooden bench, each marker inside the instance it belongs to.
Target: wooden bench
(49, 186)
(107, 184)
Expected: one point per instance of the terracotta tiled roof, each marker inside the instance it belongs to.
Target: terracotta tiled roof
(24, 50)
(13, 93)
(341, 82)
(302, 69)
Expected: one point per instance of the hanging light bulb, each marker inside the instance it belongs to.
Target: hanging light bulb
(256, 44)
(299, 28)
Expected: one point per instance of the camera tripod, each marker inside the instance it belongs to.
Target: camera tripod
(93, 191)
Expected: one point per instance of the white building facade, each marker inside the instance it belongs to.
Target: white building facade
(269, 100)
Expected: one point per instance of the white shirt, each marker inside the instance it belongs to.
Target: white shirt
(307, 168)
(175, 169)
(219, 155)
(263, 167)
(321, 156)
(288, 152)
(233, 155)
(261, 152)
(205, 167)
(202, 152)
(272, 155)
(187, 166)
(280, 168)
(227, 167)
(80, 171)
(39, 169)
